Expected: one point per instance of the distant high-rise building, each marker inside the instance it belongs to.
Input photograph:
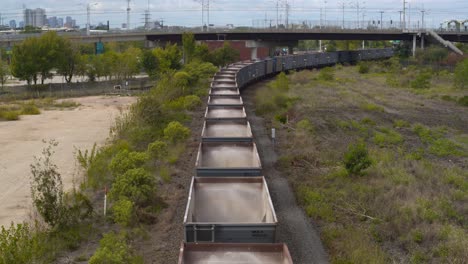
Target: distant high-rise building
(12, 24)
(60, 22)
(69, 22)
(35, 18)
(21, 24)
(52, 22)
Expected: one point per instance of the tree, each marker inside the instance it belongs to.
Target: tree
(149, 63)
(461, 74)
(4, 72)
(23, 64)
(46, 186)
(169, 58)
(188, 44)
(69, 59)
(225, 55)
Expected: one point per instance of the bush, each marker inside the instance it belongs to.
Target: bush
(463, 100)
(10, 115)
(123, 212)
(357, 159)
(30, 109)
(18, 244)
(327, 74)
(158, 150)
(126, 160)
(363, 67)
(422, 81)
(46, 187)
(305, 125)
(281, 82)
(137, 185)
(76, 207)
(191, 102)
(175, 132)
(114, 249)
(461, 74)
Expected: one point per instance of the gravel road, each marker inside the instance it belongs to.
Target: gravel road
(295, 228)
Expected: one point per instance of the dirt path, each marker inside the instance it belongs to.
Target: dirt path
(295, 228)
(21, 140)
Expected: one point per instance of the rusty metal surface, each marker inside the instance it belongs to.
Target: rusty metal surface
(228, 155)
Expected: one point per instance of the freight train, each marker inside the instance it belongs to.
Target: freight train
(230, 217)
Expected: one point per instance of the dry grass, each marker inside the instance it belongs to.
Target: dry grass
(410, 205)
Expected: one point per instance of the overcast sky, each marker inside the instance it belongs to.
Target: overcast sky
(237, 12)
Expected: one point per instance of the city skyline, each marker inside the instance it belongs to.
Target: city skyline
(239, 13)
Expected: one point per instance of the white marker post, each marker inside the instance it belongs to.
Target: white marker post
(273, 135)
(105, 200)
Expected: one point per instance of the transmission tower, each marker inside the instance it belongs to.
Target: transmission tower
(128, 14)
(147, 17)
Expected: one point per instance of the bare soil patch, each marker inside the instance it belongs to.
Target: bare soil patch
(21, 140)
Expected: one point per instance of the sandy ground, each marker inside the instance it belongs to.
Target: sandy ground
(21, 140)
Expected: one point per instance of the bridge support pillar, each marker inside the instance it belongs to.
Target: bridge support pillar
(149, 44)
(272, 45)
(422, 41)
(414, 45)
(254, 53)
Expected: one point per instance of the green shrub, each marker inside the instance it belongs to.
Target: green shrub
(123, 212)
(363, 67)
(422, 81)
(114, 249)
(137, 185)
(175, 132)
(191, 102)
(18, 244)
(372, 107)
(305, 125)
(282, 118)
(98, 173)
(461, 74)
(10, 115)
(46, 187)
(399, 123)
(327, 74)
(463, 100)
(158, 150)
(126, 160)
(30, 109)
(357, 159)
(281, 82)
(387, 137)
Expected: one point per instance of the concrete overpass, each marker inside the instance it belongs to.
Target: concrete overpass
(261, 37)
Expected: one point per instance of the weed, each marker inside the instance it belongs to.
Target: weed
(422, 81)
(372, 107)
(114, 248)
(123, 212)
(363, 67)
(305, 126)
(438, 145)
(463, 101)
(165, 174)
(30, 109)
(399, 123)
(387, 137)
(10, 115)
(368, 121)
(357, 159)
(327, 74)
(86, 158)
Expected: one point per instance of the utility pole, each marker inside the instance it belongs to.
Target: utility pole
(287, 14)
(357, 9)
(404, 14)
(422, 21)
(343, 8)
(88, 24)
(381, 22)
(277, 14)
(128, 15)
(401, 26)
(325, 12)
